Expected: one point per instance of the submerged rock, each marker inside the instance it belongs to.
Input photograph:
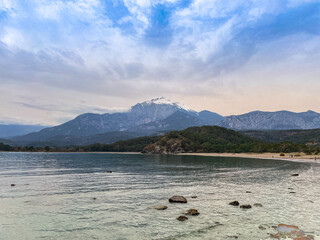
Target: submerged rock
(262, 227)
(178, 199)
(234, 203)
(291, 231)
(193, 212)
(258, 205)
(182, 218)
(160, 207)
(246, 206)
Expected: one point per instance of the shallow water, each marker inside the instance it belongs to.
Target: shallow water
(53, 196)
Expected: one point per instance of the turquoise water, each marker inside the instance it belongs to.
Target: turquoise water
(53, 196)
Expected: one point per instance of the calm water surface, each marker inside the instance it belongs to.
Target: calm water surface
(53, 196)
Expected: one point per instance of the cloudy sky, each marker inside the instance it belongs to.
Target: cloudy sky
(61, 58)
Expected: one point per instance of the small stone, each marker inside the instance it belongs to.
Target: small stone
(258, 205)
(246, 206)
(290, 188)
(262, 227)
(234, 203)
(178, 199)
(235, 237)
(295, 175)
(193, 196)
(109, 171)
(248, 192)
(193, 212)
(160, 207)
(292, 192)
(12, 185)
(94, 198)
(182, 218)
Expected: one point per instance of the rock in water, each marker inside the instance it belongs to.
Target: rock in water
(193, 212)
(258, 205)
(295, 175)
(160, 207)
(178, 199)
(234, 203)
(247, 206)
(12, 185)
(193, 196)
(262, 227)
(182, 218)
(291, 231)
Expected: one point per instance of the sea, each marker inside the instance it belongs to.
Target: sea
(113, 196)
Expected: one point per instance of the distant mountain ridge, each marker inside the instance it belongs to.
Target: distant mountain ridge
(281, 120)
(146, 118)
(156, 117)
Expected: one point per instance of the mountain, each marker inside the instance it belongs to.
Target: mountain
(282, 120)
(218, 140)
(146, 118)
(201, 139)
(7, 131)
(310, 136)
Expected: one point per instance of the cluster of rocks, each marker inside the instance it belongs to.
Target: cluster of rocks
(180, 199)
(245, 206)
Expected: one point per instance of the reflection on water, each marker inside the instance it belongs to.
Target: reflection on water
(53, 196)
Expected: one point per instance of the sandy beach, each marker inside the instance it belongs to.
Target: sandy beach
(296, 157)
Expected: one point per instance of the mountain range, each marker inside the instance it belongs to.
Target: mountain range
(156, 117)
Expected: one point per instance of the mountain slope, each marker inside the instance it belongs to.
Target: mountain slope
(282, 120)
(147, 117)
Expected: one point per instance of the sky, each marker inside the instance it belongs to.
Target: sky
(62, 58)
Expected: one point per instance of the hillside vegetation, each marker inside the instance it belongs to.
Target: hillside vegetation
(311, 136)
(217, 140)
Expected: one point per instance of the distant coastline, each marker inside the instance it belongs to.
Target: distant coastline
(292, 157)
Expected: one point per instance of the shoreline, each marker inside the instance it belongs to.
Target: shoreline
(266, 156)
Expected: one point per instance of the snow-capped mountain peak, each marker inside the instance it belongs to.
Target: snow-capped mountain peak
(165, 101)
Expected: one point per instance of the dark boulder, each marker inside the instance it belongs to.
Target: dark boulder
(182, 218)
(234, 203)
(247, 206)
(178, 199)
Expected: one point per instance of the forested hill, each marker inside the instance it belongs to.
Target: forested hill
(295, 136)
(218, 140)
